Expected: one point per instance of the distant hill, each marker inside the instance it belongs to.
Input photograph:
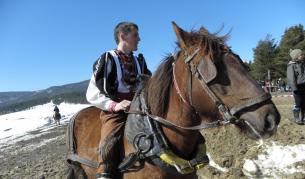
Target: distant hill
(7, 97)
(16, 101)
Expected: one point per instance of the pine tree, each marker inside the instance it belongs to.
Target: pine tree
(264, 57)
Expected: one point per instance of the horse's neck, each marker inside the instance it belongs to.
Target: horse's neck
(183, 142)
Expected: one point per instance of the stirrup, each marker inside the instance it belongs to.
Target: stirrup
(102, 176)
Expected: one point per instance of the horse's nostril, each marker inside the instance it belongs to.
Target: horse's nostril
(269, 122)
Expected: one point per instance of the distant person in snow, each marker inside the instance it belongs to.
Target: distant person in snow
(296, 79)
(56, 110)
(56, 115)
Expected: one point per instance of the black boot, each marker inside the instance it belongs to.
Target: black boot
(296, 115)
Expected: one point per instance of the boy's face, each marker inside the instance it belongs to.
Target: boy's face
(301, 57)
(132, 40)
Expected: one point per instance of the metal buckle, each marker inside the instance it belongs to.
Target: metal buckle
(225, 112)
(183, 169)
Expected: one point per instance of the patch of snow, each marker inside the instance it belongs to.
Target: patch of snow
(17, 126)
(276, 159)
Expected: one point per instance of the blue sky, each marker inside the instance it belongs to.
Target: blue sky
(45, 43)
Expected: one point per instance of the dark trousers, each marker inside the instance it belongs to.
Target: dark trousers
(299, 97)
(111, 140)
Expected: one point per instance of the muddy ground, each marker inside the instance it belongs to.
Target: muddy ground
(228, 147)
(44, 156)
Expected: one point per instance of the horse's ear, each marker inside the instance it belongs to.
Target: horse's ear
(181, 35)
(203, 31)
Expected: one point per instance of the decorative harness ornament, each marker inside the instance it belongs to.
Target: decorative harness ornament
(148, 140)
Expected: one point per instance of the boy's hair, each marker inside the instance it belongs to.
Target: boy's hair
(123, 27)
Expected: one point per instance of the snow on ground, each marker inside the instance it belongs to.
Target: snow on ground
(17, 126)
(276, 159)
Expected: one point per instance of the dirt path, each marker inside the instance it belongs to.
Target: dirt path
(38, 157)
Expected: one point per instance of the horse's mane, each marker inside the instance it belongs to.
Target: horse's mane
(157, 90)
(210, 44)
(158, 87)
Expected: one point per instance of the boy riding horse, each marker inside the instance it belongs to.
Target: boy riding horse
(116, 76)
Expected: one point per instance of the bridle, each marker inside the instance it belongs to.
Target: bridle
(228, 114)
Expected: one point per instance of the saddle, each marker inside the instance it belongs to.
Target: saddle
(149, 142)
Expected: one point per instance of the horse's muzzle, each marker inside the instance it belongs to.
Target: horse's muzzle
(261, 123)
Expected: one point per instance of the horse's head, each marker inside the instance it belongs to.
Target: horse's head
(216, 83)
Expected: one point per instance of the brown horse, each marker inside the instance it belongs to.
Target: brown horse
(203, 85)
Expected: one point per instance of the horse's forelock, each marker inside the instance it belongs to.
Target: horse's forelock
(211, 45)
